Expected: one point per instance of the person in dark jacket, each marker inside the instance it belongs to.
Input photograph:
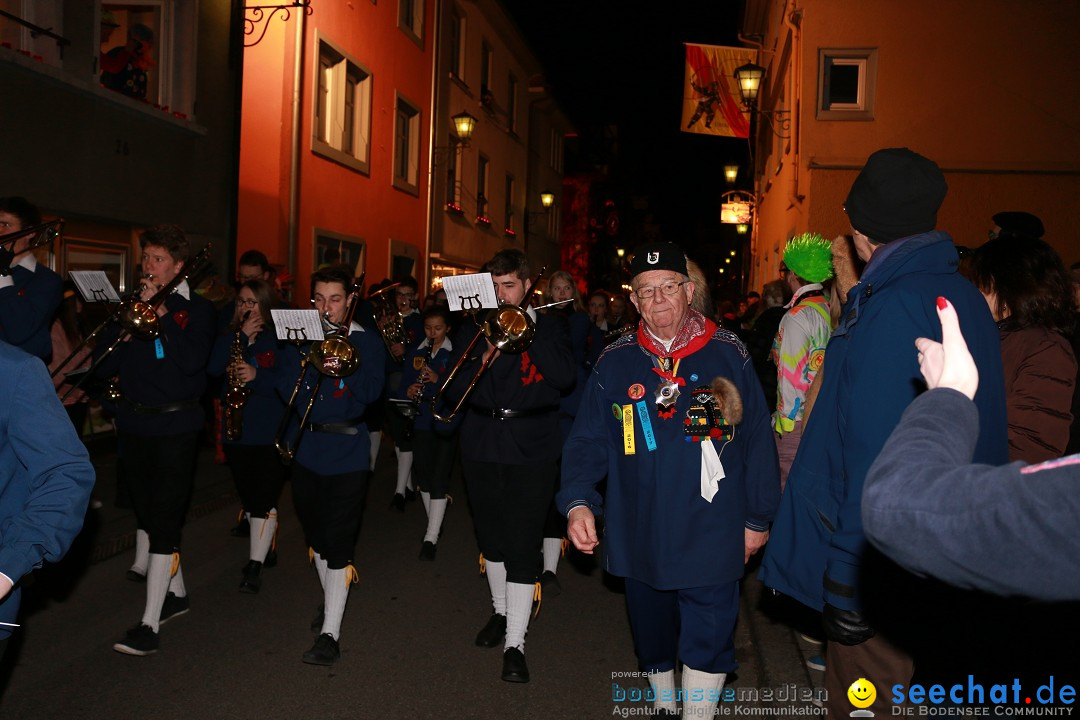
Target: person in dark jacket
(818, 554)
(1009, 530)
(158, 421)
(759, 338)
(674, 416)
(30, 293)
(509, 445)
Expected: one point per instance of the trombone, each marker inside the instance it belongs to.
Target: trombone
(43, 234)
(507, 327)
(333, 356)
(137, 318)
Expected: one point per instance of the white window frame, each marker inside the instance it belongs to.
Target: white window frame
(865, 61)
(414, 27)
(409, 180)
(329, 139)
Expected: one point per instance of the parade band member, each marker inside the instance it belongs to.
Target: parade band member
(30, 293)
(509, 445)
(675, 417)
(412, 325)
(45, 477)
(330, 472)
(158, 422)
(433, 444)
(256, 466)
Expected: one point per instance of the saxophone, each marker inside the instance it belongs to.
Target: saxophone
(235, 394)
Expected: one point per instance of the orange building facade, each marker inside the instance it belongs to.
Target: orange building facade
(335, 140)
(986, 90)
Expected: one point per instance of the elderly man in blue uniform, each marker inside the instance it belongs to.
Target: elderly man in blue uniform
(331, 469)
(509, 447)
(45, 477)
(675, 417)
(158, 420)
(29, 293)
(818, 553)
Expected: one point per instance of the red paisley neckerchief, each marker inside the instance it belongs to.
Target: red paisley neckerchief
(692, 336)
(181, 318)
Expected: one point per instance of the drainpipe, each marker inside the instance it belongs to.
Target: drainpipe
(433, 123)
(294, 167)
(794, 199)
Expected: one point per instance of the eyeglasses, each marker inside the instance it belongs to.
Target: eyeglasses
(668, 288)
(246, 303)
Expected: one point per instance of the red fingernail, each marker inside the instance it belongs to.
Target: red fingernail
(942, 303)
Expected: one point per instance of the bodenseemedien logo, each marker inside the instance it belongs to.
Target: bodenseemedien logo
(862, 694)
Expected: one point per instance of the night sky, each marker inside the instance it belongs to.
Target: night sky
(622, 63)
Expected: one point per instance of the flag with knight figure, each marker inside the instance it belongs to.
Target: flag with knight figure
(711, 101)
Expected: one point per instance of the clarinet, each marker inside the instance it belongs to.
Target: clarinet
(236, 394)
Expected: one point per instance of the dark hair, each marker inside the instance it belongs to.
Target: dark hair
(332, 274)
(20, 207)
(1030, 281)
(508, 262)
(437, 311)
(170, 237)
(254, 258)
(410, 282)
(264, 296)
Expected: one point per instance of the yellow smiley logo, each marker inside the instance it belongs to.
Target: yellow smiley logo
(862, 693)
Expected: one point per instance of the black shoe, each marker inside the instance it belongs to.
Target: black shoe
(427, 551)
(549, 584)
(398, 503)
(242, 528)
(252, 577)
(135, 576)
(324, 652)
(271, 558)
(410, 494)
(514, 667)
(173, 607)
(493, 633)
(317, 621)
(139, 640)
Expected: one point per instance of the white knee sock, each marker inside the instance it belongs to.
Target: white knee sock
(519, 601)
(496, 577)
(404, 469)
(142, 549)
(434, 520)
(176, 583)
(710, 685)
(552, 551)
(663, 684)
(335, 595)
(425, 497)
(320, 568)
(158, 569)
(376, 441)
(262, 535)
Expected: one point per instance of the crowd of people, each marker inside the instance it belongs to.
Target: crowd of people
(684, 424)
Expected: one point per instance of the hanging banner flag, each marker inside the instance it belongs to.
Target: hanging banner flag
(711, 101)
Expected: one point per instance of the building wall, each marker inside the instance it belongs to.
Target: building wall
(334, 199)
(979, 90)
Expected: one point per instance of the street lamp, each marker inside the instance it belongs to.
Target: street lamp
(547, 199)
(742, 229)
(749, 77)
(464, 124)
(731, 173)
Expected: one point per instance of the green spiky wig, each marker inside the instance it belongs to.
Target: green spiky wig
(810, 257)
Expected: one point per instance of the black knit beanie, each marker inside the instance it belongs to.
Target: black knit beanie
(897, 194)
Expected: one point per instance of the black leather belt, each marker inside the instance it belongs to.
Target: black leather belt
(141, 409)
(505, 414)
(342, 428)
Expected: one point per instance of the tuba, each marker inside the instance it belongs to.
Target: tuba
(333, 356)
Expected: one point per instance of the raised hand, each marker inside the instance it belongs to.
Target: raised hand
(948, 363)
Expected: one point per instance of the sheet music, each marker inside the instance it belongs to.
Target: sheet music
(94, 286)
(297, 325)
(470, 292)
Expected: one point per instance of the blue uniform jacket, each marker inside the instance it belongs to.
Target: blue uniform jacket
(657, 527)
(27, 309)
(168, 370)
(586, 344)
(416, 358)
(263, 409)
(340, 400)
(871, 375)
(530, 380)
(1010, 529)
(45, 474)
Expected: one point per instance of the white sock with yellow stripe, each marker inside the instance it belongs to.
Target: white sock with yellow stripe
(496, 577)
(519, 602)
(552, 552)
(158, 571)
(320, 566)
(176, 583)
(335, 595)
(434, 520)
(262, 535)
